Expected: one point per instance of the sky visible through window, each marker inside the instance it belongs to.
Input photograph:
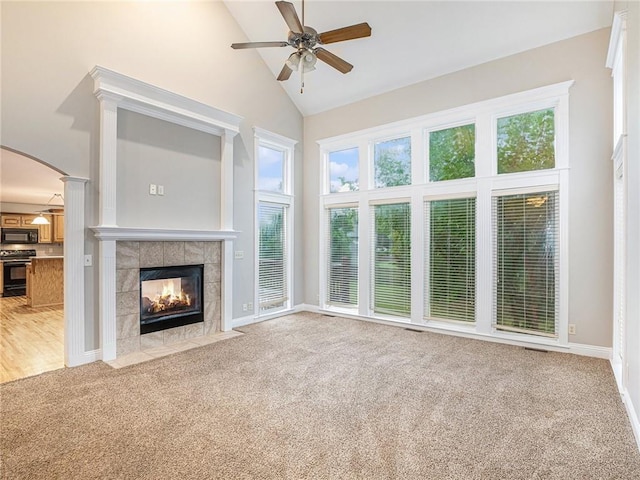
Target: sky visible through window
(270, 169)
(344, 170)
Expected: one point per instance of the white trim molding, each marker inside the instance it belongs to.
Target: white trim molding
(617, 28)
(114, 91)
(74, 284)
(140, 97)
(160, 234)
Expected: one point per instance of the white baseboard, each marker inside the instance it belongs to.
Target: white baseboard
(242, 321)
(590, 350)
(633, 416)
(305, 307)
(632, 412)
(84, 358)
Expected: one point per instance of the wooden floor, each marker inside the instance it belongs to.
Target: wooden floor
(31, 339)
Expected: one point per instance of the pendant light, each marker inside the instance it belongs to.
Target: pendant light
(41, 219)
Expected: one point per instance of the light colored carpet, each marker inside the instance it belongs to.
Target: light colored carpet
(310, 396)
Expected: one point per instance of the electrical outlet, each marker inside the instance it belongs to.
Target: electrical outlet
(88, 260)
(160, 189)
(250, 306)
(153, 188)
(572, 329)
(244, 307)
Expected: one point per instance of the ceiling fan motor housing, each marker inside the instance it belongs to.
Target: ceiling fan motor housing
(304, 41)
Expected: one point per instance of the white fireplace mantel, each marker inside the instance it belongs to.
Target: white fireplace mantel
(117, 91)
(160, 235)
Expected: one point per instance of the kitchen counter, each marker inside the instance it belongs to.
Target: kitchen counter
(45, 281)
(46, 257)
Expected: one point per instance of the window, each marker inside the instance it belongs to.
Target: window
(273, 222)
(342, 278)
(526, 142)
(344, 170)
(271, 166)
(392, 163)
(455, 220)
(526, 262)
(391, 248)
(452, 153)
(450, 249)
(272, 260)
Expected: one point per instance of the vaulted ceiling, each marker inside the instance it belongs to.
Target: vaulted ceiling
(411, 41)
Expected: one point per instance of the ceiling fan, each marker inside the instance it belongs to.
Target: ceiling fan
(306, 41)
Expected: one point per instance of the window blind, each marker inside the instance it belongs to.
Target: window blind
(342, 256)
(526, 229)
(391, 259)
(450, 254)
(272, 258)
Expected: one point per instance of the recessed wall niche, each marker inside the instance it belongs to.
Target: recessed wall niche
(152, 151)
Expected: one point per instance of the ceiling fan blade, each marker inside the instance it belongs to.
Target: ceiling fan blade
(288, 12)
(285, 73)
(259, 44)
(333, 60)
(346, 33)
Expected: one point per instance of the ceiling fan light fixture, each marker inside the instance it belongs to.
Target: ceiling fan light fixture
(293, 61)
(309, 60)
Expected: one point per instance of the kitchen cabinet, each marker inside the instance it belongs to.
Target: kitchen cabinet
(46, 233)
(45, 281)
(58, 228)
(11, 220)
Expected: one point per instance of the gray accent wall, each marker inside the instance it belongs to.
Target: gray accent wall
(581, 59)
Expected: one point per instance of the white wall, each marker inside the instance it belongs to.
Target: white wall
(581, 59)
(49, 110)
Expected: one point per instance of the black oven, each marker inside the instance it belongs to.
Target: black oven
(19, 235)
(14, 271)
(15, 278)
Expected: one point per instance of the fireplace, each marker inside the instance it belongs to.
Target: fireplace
(170, 297)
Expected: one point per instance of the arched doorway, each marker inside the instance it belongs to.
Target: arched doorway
(33, 323)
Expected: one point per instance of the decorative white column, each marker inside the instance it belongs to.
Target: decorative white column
(226, 223)
(74, 284)
(107, 216)
(108, 148)
(226, 177)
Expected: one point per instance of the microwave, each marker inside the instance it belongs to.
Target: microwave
(19, 235)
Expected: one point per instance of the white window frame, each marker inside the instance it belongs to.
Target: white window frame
(617, 62)
(265, 138)
(324, 249)
(483, 186)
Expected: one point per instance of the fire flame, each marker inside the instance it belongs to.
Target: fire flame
(171, 296)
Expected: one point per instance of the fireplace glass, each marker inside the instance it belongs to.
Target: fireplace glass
(170, 297)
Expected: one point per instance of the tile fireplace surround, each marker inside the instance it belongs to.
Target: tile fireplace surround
(130, 257)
